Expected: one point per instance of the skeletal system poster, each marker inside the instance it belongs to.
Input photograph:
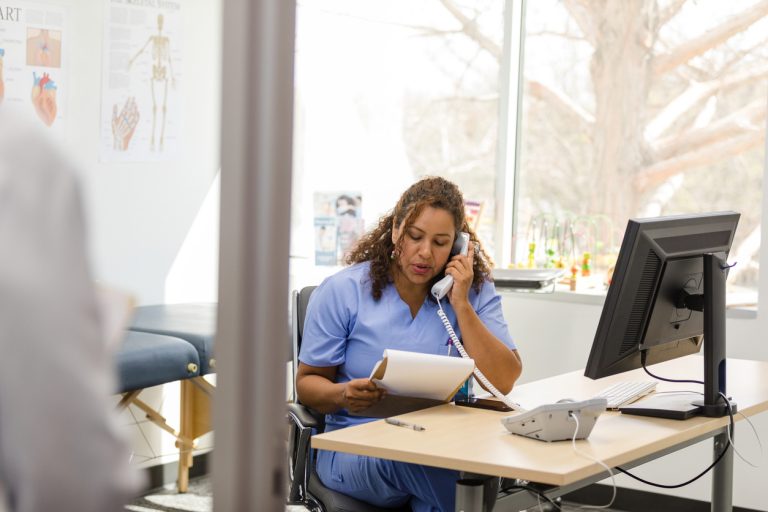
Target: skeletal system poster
(33, 47)
(141, 103)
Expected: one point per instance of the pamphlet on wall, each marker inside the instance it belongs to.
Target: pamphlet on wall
(325, 241)
(473, 211)
(338, 225)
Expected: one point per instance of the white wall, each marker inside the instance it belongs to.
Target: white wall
(139, 213)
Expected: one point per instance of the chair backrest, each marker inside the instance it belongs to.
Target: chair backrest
(301, 307)
(305, 488)
(299, 302)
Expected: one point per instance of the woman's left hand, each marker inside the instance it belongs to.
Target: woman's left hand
(460, 267)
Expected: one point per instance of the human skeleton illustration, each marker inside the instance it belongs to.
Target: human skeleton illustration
(162, 70)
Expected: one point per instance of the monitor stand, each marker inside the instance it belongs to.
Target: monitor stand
(712, 304)
(677, 406)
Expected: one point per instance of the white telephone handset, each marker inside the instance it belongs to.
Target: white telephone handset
(440, 290)
(460, 246)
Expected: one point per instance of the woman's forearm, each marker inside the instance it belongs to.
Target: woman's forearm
(498, 363)
(319, 393)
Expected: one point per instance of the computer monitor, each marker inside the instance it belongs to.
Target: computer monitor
(667, 297)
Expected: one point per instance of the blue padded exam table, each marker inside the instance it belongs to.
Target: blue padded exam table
(195, 324)
(145, 360)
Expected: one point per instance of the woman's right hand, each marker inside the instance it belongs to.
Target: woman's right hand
(359, 394)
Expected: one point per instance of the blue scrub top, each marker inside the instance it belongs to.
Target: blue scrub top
(346, 327)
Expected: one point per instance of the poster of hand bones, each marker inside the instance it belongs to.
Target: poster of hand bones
(141, 79)
(33, 49)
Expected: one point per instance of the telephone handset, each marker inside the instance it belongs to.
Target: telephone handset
(460, 246)
(439, 290)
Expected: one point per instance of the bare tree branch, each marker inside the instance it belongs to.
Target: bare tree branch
(579, 11)
(470, 28)
(694, 95)
(655, 174)
(670, 12)
(564, 35)
(431, 31)
(559, 100)
(747, 118)
(695, 47)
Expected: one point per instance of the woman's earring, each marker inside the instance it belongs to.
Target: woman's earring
(392, 254)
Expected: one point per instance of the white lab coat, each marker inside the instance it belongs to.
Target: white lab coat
(59, 442)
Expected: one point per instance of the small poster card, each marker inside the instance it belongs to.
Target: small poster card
(338, 225)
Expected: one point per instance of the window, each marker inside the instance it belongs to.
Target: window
(636, 109)
(387, 91)
(626, 109)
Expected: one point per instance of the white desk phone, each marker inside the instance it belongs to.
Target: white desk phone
(548, 422)
(460, 246)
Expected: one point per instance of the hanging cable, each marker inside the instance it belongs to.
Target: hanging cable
(482, 378)
(729, 429)
(594, 459)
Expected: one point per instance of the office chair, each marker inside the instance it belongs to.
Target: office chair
(305, 487)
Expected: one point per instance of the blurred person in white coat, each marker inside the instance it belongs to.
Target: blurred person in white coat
(60, 447)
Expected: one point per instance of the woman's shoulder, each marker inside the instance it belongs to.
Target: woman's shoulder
(486, 289)
(349, 278)
(353, 272)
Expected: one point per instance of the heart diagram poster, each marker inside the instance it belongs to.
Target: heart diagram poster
(33, 63)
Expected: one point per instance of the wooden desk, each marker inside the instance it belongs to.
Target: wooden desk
(474, 440)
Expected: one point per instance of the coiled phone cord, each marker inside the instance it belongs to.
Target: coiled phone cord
(482, 378)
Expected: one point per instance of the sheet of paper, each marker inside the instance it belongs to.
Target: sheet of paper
(423, 375)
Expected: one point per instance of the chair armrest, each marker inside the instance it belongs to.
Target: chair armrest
(305, 417)
(303, 422)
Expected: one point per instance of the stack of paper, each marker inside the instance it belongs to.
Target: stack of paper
(415, 381)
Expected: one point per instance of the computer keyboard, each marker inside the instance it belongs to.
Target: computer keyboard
(626, 392)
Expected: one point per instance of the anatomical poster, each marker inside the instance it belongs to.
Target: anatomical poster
(141, 78)
(33, 50)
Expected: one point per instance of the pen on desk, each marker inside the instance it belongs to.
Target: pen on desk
(399, 423)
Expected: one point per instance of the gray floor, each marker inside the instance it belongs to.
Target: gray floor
(200, 499)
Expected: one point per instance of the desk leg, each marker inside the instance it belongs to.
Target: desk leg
(469, 495)
(722, 476)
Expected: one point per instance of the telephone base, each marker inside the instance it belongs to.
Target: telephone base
(554, 422)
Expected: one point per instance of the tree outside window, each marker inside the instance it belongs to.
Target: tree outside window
(636, 109)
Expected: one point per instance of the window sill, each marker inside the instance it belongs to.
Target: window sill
(596, 296)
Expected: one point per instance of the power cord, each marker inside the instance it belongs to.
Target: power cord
(595, 459)
(539, 494)
(759, 443)
(719, 457)
(733, 445)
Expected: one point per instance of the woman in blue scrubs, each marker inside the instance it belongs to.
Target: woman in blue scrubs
(382, 301)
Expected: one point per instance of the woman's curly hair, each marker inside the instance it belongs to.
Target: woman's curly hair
(377, 247)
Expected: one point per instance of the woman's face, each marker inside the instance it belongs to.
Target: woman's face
(426, 245)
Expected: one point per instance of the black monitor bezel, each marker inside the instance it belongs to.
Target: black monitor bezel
(605, 356)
